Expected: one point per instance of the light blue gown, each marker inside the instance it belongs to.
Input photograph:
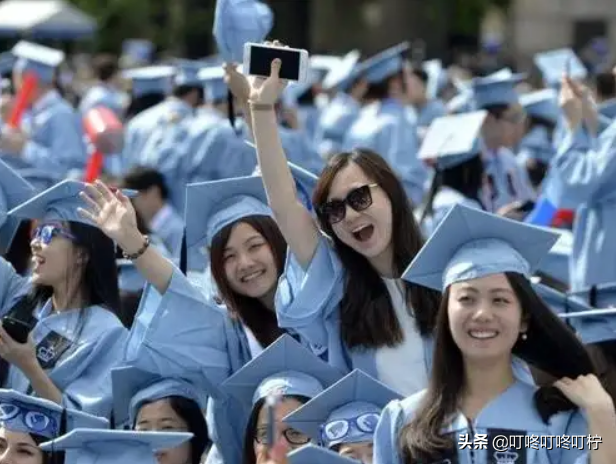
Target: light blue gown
(103, 95)
(433, 109)
(389, 129)
(582, 178)
(512, 414)
(56, 141)
(334, 122)
(76, 354)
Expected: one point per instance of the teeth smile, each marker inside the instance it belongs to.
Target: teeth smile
(483, 334)
(251, 276)
(360, 228)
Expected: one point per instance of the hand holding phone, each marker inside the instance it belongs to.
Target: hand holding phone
(258, 61)
(17, 330)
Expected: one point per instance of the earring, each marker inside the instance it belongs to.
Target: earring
(524, 336)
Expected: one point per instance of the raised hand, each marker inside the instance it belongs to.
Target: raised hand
(111, 212)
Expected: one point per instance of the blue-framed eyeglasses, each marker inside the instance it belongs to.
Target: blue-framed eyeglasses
(21, 418)
(45, 232)
(337, 430)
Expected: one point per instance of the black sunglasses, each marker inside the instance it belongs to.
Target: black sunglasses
(359, 199)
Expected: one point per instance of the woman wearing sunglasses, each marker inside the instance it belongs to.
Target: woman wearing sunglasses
(60, 334)
(26, 422)
(341, 291)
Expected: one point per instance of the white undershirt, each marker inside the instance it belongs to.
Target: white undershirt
(403, 368)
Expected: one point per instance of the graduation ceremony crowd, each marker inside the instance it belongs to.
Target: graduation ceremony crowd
(384, 263)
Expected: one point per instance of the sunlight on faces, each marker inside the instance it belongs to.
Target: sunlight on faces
(283, 409)
(368, 232)
(361, 452)
(485, 317)
(18, 448)
(159, 416)
(250, 266)
(54, 263)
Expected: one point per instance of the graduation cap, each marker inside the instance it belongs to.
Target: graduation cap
(597, 296)
(346, 412)
(211, 206)
(132, 388)
(593, 325)
(284, 368)
(237, 22)
(305, 181)
(460, 103)
(14, 190)
(453, 140)
(7, 61)
(556, 63)
(469, 244)
(536, 144)
(542, 104)
(311, 454)
(29, 414)
(91, 446)
(344, 73)
(213, 79)
(495, 90)
(324, 64)
(38, 59)
(385, 64)
(187, 73)
(58, 203)
(296, 90)
(150, 79)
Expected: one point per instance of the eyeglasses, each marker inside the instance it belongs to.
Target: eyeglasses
(44, 233)
(35, 421)
(338, 429)
(292, 436)
(359, 199)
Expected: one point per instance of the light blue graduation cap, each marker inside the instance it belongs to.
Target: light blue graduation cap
(558, 302)
(187, 73)
(311, 454)
(285, 368)
(7, 61)
(495, 90)
(346, 412)
(14, 190)
(90, 446)
(237, 22)
(593, 325)
(344, 73)
(151, 79)
(132, 388)
(305, 182)
(213, 80)
(469, 244)
(212, 206)
(38, 59)
(598, 296)
(385, 64)
(295, 90)
(556, 63)
(58, 203)
(29, 414)
(324, 64)
(542, 104)
(452, 140)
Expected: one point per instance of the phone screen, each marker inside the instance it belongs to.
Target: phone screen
(261, 62)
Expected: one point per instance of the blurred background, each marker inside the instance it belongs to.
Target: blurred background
(478, 34)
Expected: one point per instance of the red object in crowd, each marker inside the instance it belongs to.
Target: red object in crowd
(23, 99)
(106, 133)
(563, 218)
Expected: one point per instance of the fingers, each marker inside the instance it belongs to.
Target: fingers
(123, 198)
(92, 205)
(275, 68)
(87, 215)
(104, 190)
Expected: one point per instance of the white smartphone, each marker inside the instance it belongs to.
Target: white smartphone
(258, 61)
